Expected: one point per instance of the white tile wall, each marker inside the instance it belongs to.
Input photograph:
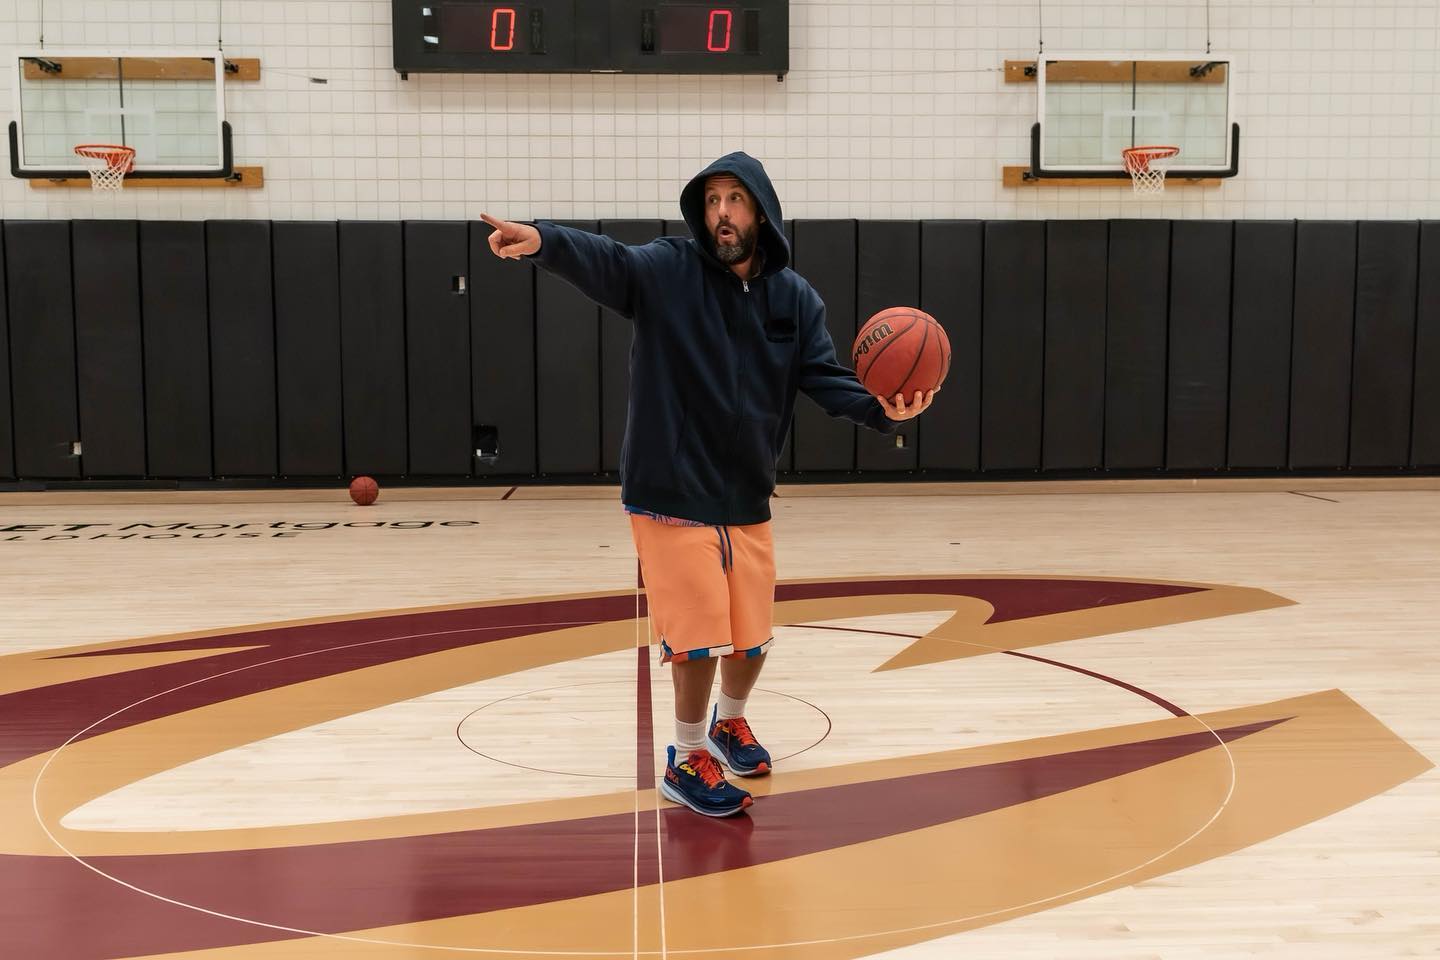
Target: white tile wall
(891, 109)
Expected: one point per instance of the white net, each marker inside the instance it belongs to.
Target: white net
(1151, 180)
(1146, 166)
(108, 168)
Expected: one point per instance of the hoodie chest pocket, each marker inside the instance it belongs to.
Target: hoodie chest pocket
(780, 329)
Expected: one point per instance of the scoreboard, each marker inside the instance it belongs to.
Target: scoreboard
(592, 36)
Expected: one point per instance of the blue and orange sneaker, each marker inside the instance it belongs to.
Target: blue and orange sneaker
(699, 783)
(732, 741)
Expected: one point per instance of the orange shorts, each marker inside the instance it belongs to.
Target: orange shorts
(710, 590)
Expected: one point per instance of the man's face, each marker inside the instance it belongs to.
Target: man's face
(731, 218)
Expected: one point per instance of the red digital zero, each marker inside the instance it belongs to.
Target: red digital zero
(711, 43)
(506, 14)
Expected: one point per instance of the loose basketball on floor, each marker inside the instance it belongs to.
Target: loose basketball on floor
(364, 491)
(901, 350)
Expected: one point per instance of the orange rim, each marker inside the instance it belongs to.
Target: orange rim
(1137, 159)
(114, 155)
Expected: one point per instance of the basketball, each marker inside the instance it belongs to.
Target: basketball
(364, 491)
(901, 350)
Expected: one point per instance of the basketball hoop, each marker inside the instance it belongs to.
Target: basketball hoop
(1145, 169)
(108, 165)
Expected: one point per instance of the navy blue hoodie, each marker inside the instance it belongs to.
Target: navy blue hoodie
(716, 360)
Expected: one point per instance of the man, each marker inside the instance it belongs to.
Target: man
(725, 335)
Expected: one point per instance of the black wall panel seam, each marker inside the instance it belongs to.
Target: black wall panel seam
(274, 351)
(980, 367)
(340, 350)
(75, 353)
(1165, 380)
(600, 374)
(405, 341)
(210, 343)
(1354, 320)
(535, 362)
(1290, 379)
(1105, 339)
(1415, 339)
(5, 357)
(1044, 267)
(1229, 349)
(1044, 325)
(144, 383)
(1425, 400)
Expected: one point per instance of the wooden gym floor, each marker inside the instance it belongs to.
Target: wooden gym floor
(1113, 721)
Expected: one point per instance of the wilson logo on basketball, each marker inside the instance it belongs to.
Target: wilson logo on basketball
(901, 350)
(872, 338)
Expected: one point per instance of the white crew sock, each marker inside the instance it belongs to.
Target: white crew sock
(730, 708)
(689, 737)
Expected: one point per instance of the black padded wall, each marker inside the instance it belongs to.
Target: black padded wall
(372, 347)
(437, 330)
(242, 347)
(1387, 264)
(1425, 441)
(174, 305)
(1075, 344)
(7, 436)
(1012, 347)
(42, 348)
(888, 270)
(1321, 343)
(952, 258)
(567, 387)
(502, 353)
(1262, 304)
(109, 358)
(323, 350)
(307, 349)
(1137, 302)
(1199, 347)
(615, 336)
(825, 256)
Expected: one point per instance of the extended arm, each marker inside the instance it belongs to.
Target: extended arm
(599, 267)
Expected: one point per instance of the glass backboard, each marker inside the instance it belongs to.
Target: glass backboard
(169, 107)
(1091, 107)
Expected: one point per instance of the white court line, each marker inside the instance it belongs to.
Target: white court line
(659, 845)
(35, 807)
(659, 854)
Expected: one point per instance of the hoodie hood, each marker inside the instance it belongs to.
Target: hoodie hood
(749, 171)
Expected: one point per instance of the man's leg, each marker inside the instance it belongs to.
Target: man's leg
(693, 682)
(690, 617)
(737, 679)
(752, 602)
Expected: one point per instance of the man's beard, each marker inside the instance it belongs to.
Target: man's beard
(739, 251)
